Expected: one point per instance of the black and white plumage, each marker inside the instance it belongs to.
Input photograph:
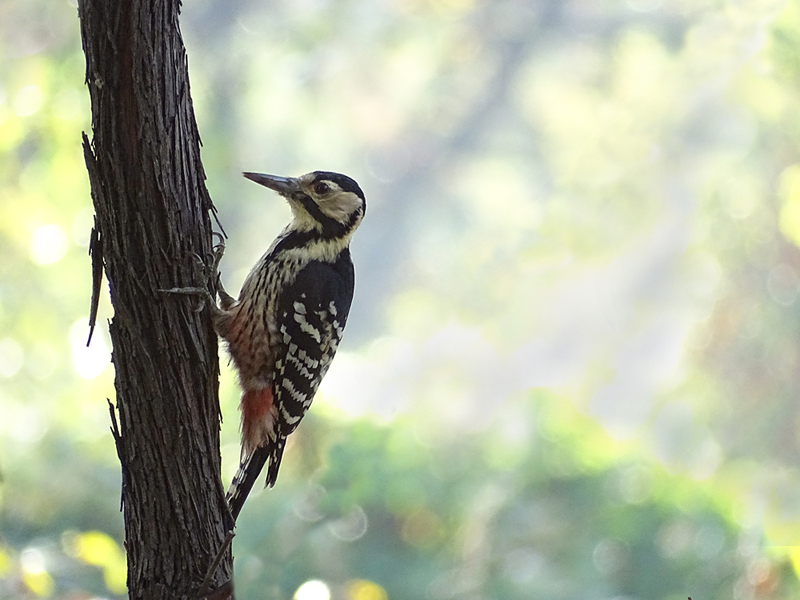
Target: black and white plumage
(283, 330)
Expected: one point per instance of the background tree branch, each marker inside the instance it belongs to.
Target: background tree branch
(152, 210)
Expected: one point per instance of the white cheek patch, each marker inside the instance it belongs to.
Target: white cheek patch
(341, 205)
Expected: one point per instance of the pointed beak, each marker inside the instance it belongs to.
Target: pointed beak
(285, 186)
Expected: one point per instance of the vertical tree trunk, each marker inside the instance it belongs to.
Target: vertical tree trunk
(152, 210)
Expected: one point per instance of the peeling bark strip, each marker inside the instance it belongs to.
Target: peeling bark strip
(152, 211)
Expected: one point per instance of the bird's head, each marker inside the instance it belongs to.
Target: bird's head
(330, 203)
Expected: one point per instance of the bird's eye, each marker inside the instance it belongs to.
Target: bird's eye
(321, 188)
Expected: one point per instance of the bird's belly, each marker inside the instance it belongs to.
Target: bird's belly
(249, 345)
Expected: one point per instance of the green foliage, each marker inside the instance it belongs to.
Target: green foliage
(433, 520)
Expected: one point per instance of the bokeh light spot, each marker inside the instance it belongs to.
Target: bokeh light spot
(11, 358)
(82, 225)
(48, 244)
(313, 589)
(34, 574)
(783, 284)
(422, 529)
(28, 100)
(361, 589)
(350, 527)
(22, 422)
(789, 192)
(89, 361)
(5, 563)
(99, 549)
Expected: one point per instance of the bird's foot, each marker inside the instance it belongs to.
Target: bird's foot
(217, 253)
(205, 272)
(208, 266)
(225, 299)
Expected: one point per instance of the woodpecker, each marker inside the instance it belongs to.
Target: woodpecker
(283, 330)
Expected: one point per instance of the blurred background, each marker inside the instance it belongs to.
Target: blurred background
(571, 369)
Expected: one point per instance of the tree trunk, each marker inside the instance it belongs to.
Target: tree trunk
(152, 211)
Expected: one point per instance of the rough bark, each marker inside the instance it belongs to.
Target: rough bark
(152, 216)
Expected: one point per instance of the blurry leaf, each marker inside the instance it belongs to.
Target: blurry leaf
(789, 192)
(794, 556)
(5, 563)
(97, 548)
(360, 589)
(40, 582)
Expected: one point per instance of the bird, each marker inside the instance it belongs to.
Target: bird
(283, 330)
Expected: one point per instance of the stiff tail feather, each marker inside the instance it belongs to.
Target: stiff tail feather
(249, 470)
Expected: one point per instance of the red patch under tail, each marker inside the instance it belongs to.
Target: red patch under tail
(256, 407)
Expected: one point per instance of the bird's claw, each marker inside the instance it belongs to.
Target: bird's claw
(206, 273)
(210, 264)
(207, 269)
(217, 252)
(217, 235)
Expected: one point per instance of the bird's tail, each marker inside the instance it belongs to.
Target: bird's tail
(249, 470)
